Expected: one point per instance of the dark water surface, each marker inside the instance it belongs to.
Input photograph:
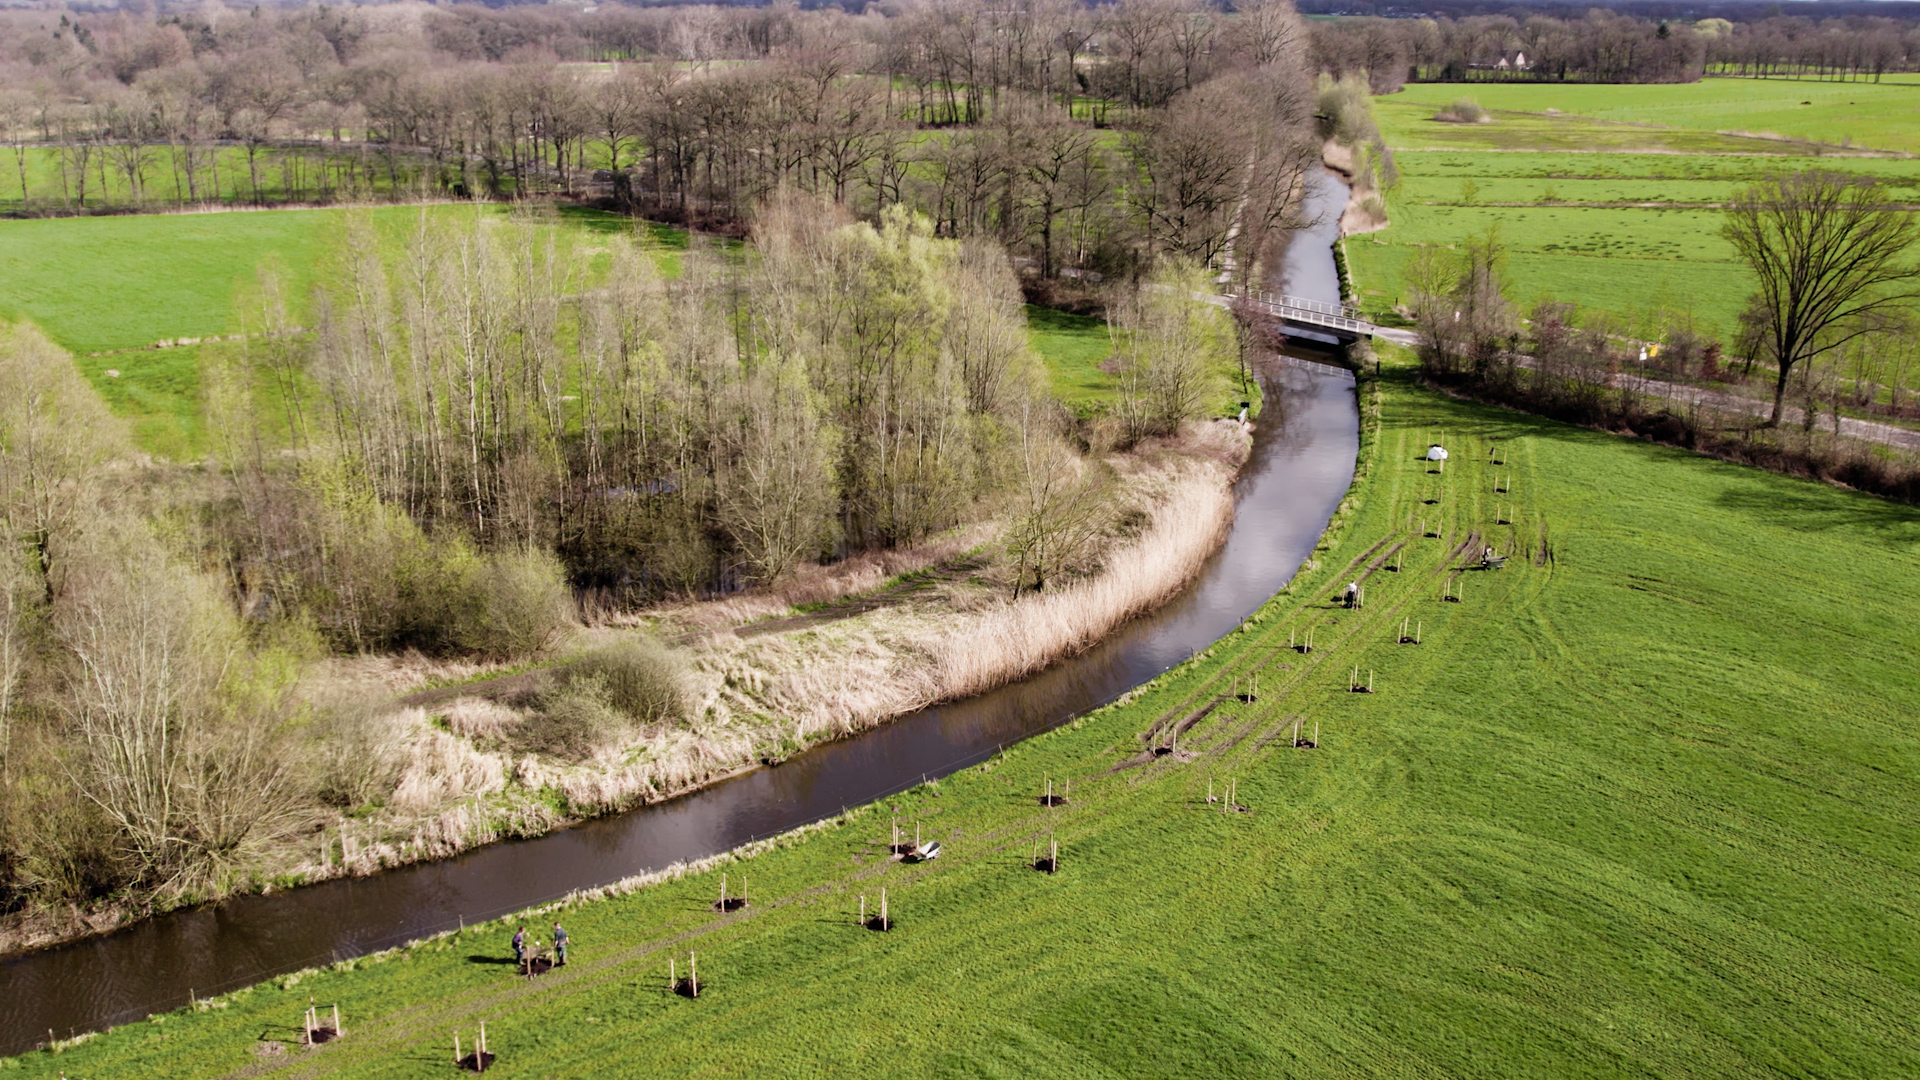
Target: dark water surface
(1301, 465)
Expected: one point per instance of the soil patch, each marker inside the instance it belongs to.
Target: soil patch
(476, 1062)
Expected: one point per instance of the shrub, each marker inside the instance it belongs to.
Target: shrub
(576, 719)
(514, 604)
(640, 677)
(356, 752)
(1463, 111)
(604, 697)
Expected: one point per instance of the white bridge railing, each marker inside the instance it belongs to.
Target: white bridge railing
(1299, 309)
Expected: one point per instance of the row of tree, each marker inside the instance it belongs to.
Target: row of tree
(1836, 292)
(1605, 46)
(991, 122)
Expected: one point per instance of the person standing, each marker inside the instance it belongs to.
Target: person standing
(520, 946)
(560, 944)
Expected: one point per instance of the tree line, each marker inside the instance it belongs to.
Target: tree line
(1081, 137)
(1608, 46)
(1833, 322)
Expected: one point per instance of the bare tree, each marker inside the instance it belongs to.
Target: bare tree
(16, 128)
(1829, 252)
(777, 500)
(1060, 509)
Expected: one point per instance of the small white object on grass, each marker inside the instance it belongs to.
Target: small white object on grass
(1436, 452)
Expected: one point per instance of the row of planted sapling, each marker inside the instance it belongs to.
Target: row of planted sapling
(914, 852)
(731, 903)
(1244, 687)
(480, 1060)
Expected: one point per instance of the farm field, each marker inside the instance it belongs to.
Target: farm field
(1619, 217)
(1559, 839)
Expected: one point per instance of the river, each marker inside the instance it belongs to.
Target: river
(1300, 467)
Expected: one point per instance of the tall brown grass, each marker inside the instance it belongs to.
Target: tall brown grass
(463, 783)
(991, 648)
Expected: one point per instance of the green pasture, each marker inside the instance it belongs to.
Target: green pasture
(1643, 266)
(1408, 123)
(1844, 115)
(1638, 805)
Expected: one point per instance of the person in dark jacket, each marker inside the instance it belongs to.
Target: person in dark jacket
(520, 946)
(560, 944)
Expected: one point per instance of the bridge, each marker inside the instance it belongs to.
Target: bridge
(1329, 318)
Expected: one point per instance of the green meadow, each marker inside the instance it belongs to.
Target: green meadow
(1608, 196)
(1839, 115)
(1637, 804)
(1073, 347)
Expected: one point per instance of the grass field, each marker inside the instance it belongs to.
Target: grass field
(1600, 206)
(1073, 347)
(1851, 115)
(1639, 805)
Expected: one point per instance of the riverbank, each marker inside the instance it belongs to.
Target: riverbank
(837, 652)
(1513, 826)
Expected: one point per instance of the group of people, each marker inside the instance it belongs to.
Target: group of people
(559, 946)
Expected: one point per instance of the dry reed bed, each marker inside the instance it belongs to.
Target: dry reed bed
(774, 694)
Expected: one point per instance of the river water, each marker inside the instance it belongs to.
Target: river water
(1301, 464)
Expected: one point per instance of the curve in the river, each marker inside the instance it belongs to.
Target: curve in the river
(1301, 465)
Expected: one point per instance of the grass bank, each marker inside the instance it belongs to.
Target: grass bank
(1636, 805)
